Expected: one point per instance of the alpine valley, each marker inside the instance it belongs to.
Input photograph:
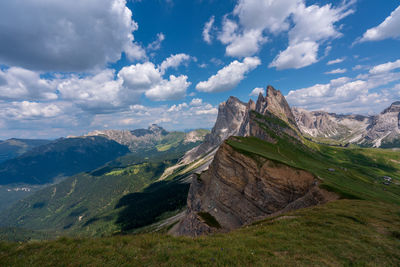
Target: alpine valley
(268, 181)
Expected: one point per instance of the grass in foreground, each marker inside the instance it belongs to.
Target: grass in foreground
(345, 232)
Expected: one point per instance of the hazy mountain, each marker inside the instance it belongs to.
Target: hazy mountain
(60, 158)
(14, 147)
(320, 124)
(381, 130)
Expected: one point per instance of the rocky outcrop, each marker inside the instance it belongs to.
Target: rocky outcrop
(230, 116)
(235, 119)
(237, 190)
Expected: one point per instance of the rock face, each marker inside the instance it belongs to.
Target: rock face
(237, 190)
(230, 116)
(378, 131)
(235, 119)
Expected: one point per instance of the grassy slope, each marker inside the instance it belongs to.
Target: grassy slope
(345, 232)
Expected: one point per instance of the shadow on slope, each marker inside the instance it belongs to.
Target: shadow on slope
(144, 208)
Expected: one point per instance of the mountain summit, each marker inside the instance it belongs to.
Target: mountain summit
(235, 119)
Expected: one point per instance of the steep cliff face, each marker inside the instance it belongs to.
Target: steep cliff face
(238, 190)
(230, 116)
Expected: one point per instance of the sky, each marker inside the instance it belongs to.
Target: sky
(70, 67)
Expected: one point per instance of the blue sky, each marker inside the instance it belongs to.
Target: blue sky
(68, 67)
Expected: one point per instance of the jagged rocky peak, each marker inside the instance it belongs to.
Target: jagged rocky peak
(234, 119)
(394, 107)
(230, 116)
(275, 103)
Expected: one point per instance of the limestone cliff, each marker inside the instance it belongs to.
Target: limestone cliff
(238, 190)
(230, 117)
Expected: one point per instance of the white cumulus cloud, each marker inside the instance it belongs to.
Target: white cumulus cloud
(229, 76)
(313, 26)
(61, 35)
(174, 61)
(172, 89)
(21, 84)
(389, 28)
(27, 110)
(256, 91)
(350, 95)
(386, 67)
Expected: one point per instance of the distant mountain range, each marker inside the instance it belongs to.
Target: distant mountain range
(382, 130)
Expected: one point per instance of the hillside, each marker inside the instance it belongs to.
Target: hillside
(341, 233)
(120, 196)
(60, 158)
(14, 147)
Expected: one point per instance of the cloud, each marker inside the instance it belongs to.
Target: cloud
(140, 77)
(313, 26)
(172, 89)
(256, 91)
(26, 110)
(255, 17)
(246, 44)
(386, 67)
(156, 45)
(21, 84)
(229, 76)
(174, 61)
(178, 107)
(99, 93)
(196, 102)
(389, 28)
(207, 29)
(67, 36)
(336, 61)
(265, 15)
(336, 71)
(245, 31)
(146, 78)
(296, 56)
(361, 94)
